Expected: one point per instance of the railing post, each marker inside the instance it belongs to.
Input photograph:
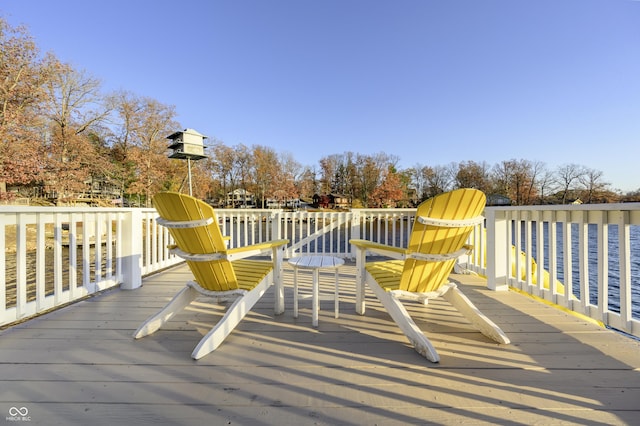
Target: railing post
(275, 219)
(21, 265)
(355, 230)
(626, 309)
(497, 246)
(132, 250)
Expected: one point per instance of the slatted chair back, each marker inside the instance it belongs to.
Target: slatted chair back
(441, 227)
(201, 235)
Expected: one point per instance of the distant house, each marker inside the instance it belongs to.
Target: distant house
(241, 198)
(282, 199)
(412, 197)
(321, 201)
(277, 203)
(97, 191)
(331, 201)
(340, 201)
(272, 203)
(498, 200)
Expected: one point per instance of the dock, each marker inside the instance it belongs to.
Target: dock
(79, 365)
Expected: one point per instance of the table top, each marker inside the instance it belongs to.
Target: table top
(316, 262)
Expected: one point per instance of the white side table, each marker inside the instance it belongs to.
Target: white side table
(315, 263)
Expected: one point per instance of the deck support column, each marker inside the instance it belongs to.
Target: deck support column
(497, 250)
(132, 250)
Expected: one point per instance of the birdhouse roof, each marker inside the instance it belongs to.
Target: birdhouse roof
(186, 131)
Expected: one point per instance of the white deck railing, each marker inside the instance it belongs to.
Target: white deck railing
(592, 253)
(317, 232)
(62, 254)
(50, 256)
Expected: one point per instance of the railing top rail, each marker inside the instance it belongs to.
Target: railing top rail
(570, 207)
(557, 207)
(71, 209)
(245, 211)
(394, 210)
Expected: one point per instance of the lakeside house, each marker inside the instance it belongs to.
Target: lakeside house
(331, 201)
(241, 198)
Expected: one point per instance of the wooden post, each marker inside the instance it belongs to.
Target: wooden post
(132, 250)
(497, 247)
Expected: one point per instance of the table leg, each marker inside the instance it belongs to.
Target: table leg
(295, 292)
(315, 299)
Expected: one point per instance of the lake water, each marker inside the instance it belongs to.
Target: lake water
(593, 273)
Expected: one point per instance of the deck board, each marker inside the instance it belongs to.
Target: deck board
(80, 365)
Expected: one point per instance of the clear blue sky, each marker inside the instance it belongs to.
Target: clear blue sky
(431, 81)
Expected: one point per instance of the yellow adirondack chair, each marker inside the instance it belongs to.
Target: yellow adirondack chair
(421, 271)
(220, 273)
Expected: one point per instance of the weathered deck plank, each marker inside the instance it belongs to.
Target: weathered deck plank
(80, 365)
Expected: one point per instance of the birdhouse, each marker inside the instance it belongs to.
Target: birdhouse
(187, 145)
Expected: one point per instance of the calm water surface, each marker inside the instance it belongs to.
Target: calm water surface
(613, 273)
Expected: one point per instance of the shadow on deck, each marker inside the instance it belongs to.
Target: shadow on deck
(80, 365)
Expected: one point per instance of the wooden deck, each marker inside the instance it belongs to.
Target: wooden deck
(80, 365)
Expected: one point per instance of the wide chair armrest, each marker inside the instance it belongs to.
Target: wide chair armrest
(230, 254)
(254, 249)
(378, 248)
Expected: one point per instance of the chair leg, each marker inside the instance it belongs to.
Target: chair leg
(473, 314)
(235, 313)
(178, 303)
(399, 314)
(278, 255)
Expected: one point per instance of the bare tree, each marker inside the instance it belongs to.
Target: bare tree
(330, 167)
(266, 171)
(152, 164)
(471, 174)
(221, 163)
(546, 183)
(537, 172)
(503, 178)
(592, 182)
(242, 170)
(417, 179)
(308, 182)
(567, 176)
(73, 104)
(515, 179)
(128, 116)
(290, 171)
(438, 180)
